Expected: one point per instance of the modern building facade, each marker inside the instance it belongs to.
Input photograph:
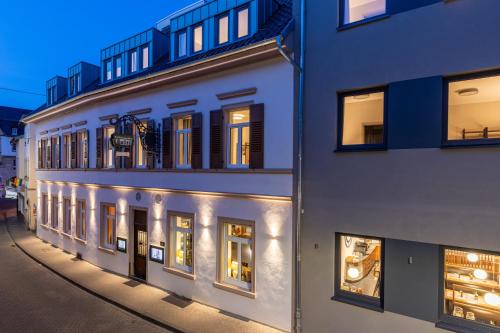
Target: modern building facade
(195, 194)
(401, 222)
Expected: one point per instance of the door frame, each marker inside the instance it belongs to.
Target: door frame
(131, 241)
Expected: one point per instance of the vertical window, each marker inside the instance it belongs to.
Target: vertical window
(109, 70)
(54, 220)
(359, 10)
(361, 120)
(237, 255)
(67, 216)
(133, 61)
(140, 153)
(181, 242)
(77, 83)
(243, 22)
(81, 219)
(239, 138)
(198, 39)
(72, 86)
(118, 67)
(223, 27)
(14, 131)
(145, 57)
(183, 142)
(83, 149)
(109, 150)
(181, 44)
(359, 270)
(108, 226)
(472, 289)
(49, 96)
(45, 209)
(66, 162)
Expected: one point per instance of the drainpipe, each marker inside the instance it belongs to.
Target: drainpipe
(300, 116)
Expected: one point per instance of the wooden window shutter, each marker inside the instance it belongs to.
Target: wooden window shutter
(86, 157)
(39, 154)
(73, 151)
(197, 141)
(128, 161)
(99, 133)
(217, 139)
(48, 150)
(58, 152)
(167, 143)
(150, 161)
(54, 152)
(257, 136)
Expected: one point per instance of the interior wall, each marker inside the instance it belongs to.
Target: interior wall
(472, 117)
(359, 114)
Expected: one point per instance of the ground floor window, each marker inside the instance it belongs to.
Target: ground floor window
(45, 209)
(359, 270)
(108, 226)
(54, 219)
(181, 241)
(472, 287)
(67, 215)
(81, 219)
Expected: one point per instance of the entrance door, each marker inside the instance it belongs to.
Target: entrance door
(140, 243)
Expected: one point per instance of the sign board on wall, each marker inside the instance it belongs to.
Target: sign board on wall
(156, 254)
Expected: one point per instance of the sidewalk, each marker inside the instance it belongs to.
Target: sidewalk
(148, 302)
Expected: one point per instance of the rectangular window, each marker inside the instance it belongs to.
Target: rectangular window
(45, 209)
(359, 10)
(67, 216)
(83, 149)
(109, 70)
(77, 83)
(198, 39)
(237, 254)
(238, 134)
(108, 226)
(109, 150)
(472, 289)
(140, 152)
(361, 120)
(183, 142)
(359, 270)
(181, 242)
(223, 28)
(473, 110)
(145, 57)
(72, 85)
(54, 218)
(182, 44)
(118, 67)
(81, 219)
(133, 61)
(243, 22)
(66, 161)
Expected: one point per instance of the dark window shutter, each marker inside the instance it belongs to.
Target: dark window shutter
(86, 157)
(197, 141)
(128, 161)
(167, 143)
(73, 151)
(150, 161)
(48, 149)
(257, 136)
(53, 146)
(99, 147)
(39, 154)
(58, 152)
(217, 139)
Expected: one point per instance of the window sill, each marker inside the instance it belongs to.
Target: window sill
(106, 250)
(182, 170)
(466, 327)
(180, 273)
(360, 148)
(54, 230)
(83, 241)
(66, 235)
(234, 290)
(357, 301)
(363, 22)
(471, 143)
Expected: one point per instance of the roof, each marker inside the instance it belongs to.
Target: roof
(273, 27)
(10, 118)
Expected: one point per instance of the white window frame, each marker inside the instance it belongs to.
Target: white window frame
(186, 147)
(81, 219)
(67, 215)
(107, 148)
(240, 126)
(104, 226)
(145, 57)
(174, 229)
(83, 143)
(240, 241)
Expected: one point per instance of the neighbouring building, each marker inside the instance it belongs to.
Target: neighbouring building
(195, 195)
(401, 222)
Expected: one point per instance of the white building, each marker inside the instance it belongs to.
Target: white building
(210, 217)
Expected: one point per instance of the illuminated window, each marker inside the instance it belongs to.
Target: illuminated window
(66, 160)
(243, 22)
(198, 39)
(108, 226)
(182, 44)
(361, 119)
(238, 135)
(359, 270)
(109, 150)
(140, 152)
(45, 209)
(183, 142)
(118, 67)
(223, 27)
(473, 110)
(360, 10)
(67, 216)
(83, 152)
(81, 219)
(109, 70)
(472, 288)
(145, 57)
(133, 61)
(237, 254)
(181, 242)
(54, 218)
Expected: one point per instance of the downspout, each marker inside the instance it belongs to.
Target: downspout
(300, 116)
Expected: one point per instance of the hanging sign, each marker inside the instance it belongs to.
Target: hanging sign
(122, 140)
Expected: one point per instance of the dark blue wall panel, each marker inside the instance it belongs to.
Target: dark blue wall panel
(415, 113)
(399, 6)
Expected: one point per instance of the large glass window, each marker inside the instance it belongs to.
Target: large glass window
(362, 119)
(198, 38)
(108, 226)
(239, 138)
(133, 61)
(359, 269)
(238, 263)
(67, 216)
(81, 219)
(223, 27)
(243, 22)
(109, 150)
(183, 142)
(182, 44)
(472, 287)
(66, 160)
(145, 57)
(474, 109)
(54, 218)
(181, 242)
(359, 10)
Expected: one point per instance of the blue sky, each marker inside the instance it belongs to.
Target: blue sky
(41, 39)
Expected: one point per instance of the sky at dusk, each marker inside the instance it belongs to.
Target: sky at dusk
(41, 39)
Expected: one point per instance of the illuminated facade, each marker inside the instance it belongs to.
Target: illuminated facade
(210, 216)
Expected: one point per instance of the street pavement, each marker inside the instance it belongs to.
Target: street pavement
(33, 299)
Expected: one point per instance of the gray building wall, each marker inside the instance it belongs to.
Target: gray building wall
(425, 195)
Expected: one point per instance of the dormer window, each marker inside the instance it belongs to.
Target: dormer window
(74, 84)
(198, 39)
(145, 57)
(243, 22)
(182, 44)
(223, 28)
(14, 131)
(133, 61)
(109, 70)
(118, 67)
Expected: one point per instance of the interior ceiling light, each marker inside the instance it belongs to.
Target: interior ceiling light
(467, 92)
(353, 273)
(480, 274)
(238, 116)
(365, 96)
(492, 299)
(472, 257)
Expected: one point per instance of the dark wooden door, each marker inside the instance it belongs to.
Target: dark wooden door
(140, 243)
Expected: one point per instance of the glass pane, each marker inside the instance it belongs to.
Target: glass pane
(198, 39)
(109, 231)
(473, 109)
(182, 44)
(118, 67)
(111, 210)
(109, 74)
(233, 138)
(358, 10)
(223, 30)
(145, 57)
(360, 265)
(188, 149)
(179, 247)
(245, 145)
(241, 231)
(243, 23)
(183, 222)
(189, 249)
(472, 286)
(133, 61)
(180, 149)
(240, 116)
(246, 263)
(232, 260)
(363, 119)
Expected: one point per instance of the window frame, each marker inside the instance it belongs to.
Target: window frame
(66, 158)
(106, 149)
(137, 142)
(81, 226)
(133, 64)
(341, 14)
(363, 301)
(145, 47)
(340, 120)
(217, 29)
(186, 147)
(54, 212)
(236, 22)
(177, 43)
(240, 126)
(82, 154)
(445, 142)
(116, 67)
(103, 228)
(108, 70)
(172, 243)
(193, 39)
(67, 215)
